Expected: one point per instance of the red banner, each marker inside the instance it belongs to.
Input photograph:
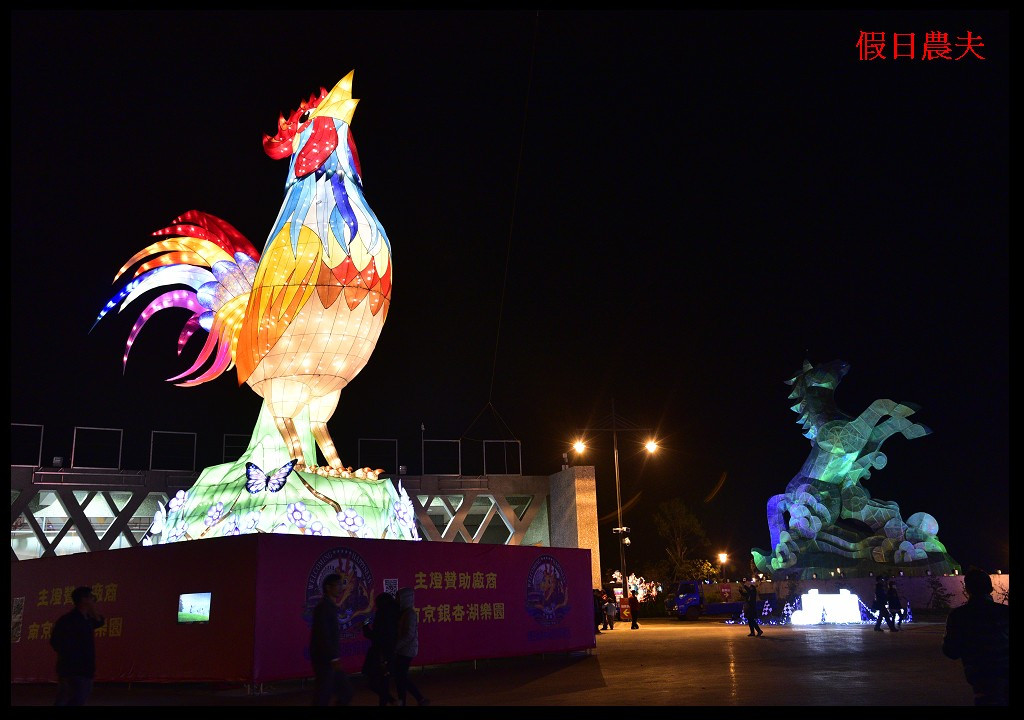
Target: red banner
(473, 601)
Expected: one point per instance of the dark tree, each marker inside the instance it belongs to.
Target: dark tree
(683, 532)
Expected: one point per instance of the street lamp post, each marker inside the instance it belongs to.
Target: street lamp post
(621, 530)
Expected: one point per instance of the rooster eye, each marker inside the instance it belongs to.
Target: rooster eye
(304, 117)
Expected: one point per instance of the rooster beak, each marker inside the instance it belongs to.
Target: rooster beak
(339, 103)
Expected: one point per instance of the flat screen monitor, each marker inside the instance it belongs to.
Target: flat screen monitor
(194, 607)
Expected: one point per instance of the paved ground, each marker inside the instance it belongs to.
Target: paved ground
(666, 662)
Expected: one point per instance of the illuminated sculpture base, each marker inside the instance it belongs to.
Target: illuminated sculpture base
(819, 609)
(824, 566)
(308, 503)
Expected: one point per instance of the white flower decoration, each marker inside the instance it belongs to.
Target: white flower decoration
(317, 528)
(405, 513)
(179, 499)
(352, 522)
(159, 520)
(299, 515)
(231, 526)
(177, 533)
(213, 514)
(249, 521)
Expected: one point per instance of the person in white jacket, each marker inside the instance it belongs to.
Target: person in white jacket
(407, 646)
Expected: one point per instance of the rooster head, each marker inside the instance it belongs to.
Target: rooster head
(322, 115)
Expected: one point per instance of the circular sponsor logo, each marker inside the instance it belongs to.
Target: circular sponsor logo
(547, 591)
(357, 587)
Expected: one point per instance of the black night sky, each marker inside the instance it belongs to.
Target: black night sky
(704, 199)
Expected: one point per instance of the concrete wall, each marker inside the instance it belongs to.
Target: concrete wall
(572, 513)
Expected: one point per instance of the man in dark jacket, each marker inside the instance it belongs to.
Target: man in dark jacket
(324, 650)
(879, 606)
(380, 656)
(978, 634)
(895, 606)
(72, 637)
(749, 593)
(407, 645)
(634, 609)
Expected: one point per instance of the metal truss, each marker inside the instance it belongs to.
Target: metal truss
(515, 523)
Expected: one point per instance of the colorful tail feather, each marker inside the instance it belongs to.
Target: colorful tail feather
(218, 264)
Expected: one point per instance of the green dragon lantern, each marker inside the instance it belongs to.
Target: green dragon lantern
(827, 518)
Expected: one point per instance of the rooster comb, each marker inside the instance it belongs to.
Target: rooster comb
(338, 104)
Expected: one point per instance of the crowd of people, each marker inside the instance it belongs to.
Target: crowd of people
(393, 632)
(607, 610)
(887, 605)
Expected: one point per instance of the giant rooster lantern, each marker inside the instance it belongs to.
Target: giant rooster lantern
(298, 323)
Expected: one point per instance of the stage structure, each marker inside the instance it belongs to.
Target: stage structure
(827, 520)
(298, 323)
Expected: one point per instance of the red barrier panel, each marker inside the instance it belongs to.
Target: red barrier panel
(474, 601)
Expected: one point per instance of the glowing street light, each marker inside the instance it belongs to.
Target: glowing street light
(622, 531)
(722, 560)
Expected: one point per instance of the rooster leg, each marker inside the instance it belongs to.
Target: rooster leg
(320, 411)
(286, 426)
(285, 398)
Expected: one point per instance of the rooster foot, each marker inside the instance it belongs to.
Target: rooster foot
(341, 472)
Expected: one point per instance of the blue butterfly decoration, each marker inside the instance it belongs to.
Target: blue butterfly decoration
(257, 481)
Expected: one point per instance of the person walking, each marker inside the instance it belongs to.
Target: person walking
(331, 681)
(407, 646)
(892, 599)
(978, 634)
(881, 599)
(749, 593)
(73, 639)
(634, 609)
(598, 611)
(383, 634)
(610, 608)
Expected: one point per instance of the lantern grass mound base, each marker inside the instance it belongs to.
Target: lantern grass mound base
(827, 520)
(264, 492)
